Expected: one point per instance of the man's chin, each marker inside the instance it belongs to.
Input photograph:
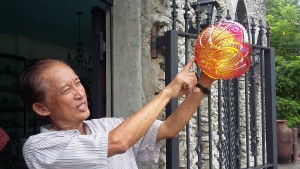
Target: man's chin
(87, 114)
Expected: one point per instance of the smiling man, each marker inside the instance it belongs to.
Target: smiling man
(51, 88)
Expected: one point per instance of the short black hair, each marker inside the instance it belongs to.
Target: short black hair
(31, 84)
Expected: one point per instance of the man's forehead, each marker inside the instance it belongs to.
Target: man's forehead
(60, 74)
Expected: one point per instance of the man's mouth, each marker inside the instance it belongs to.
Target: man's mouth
(82, 107)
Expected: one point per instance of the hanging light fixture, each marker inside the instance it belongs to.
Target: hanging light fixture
(79, 62)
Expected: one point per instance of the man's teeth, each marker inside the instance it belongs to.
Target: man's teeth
(81, 106)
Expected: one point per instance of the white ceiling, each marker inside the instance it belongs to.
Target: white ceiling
(49, 21)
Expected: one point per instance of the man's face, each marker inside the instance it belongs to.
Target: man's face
(65, 97)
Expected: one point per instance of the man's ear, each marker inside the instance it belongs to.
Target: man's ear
(40, 109)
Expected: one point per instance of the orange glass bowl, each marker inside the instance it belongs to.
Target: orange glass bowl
(222, 50)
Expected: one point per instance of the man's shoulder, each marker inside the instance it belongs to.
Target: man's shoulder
(47, 139)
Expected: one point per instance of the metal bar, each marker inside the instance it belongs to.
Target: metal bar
(263, 133)
(253, 31)
(174, 14)
(233, 121)
(229, 126)
(186, 34)
(209, 14)
(232, 157)
(252, 101)
(198, 16)
(238, 128)
(236, 19)
(270, 99)
(226, 117)
(260, 42)
(171, 62)
(253, 117)
(199, 147)
(268, 35)
(247, 119)
(246, 25)
(186, 52)
(220, 128)
(228, 17)
(210, 132)
(218, 15)
(260, 47)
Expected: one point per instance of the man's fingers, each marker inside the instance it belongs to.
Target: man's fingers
(189, 81)
(187, 67)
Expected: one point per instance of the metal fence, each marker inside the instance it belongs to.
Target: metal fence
(246, 130)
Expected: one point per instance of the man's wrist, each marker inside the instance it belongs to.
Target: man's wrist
(166, 93)
(205, 80)
(202, 88)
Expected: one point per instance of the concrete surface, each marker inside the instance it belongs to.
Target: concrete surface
(289, 166)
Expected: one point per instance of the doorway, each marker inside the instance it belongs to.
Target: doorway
(36, 29)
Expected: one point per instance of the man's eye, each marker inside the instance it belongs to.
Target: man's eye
(78, 83)
(66, 90)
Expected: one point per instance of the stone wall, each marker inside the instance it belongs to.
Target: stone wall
(147, 75)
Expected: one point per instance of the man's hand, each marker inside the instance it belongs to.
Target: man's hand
(183, 83)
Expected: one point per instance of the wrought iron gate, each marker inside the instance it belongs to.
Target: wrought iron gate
(246, 132)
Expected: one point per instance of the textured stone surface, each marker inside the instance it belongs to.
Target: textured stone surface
(131, 51)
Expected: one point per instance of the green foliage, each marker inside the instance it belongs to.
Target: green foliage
(288, 109)
(284, 21)
(288, 77)
(283, 17)
(288, 90)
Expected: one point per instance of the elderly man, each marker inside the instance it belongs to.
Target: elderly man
(51, 88)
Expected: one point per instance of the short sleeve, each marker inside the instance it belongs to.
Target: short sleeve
(147, 149)
(85, 151)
